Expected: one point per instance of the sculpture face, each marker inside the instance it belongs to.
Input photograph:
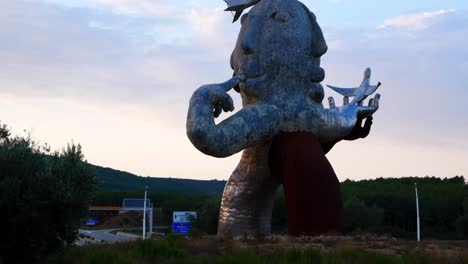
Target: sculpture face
(279, 41)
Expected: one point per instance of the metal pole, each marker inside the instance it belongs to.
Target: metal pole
(151, 222)
(144, 214)
(417, 213)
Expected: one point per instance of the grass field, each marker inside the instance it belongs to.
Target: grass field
(173, 249)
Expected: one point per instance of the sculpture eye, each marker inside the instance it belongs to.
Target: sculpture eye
(243, 18)
(281, 16)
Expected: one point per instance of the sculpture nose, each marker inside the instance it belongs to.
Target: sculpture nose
(248, 42)
(247, 47)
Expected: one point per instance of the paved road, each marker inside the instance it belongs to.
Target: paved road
(103, 235)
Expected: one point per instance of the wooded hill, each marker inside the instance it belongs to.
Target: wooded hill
(379, 206)
(108, 179)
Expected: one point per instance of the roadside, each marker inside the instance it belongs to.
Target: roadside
(99, 237)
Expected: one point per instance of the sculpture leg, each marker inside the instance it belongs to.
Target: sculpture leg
(311, 187)
(248, 197)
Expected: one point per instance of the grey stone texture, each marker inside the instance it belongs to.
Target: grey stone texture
(276, 63)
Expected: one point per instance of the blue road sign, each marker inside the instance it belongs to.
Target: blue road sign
(91, 222)
(181, 228)
(181, 222)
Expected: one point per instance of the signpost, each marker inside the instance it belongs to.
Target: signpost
(417, 213)
(144, 214)
(138, 204)
(181, 222)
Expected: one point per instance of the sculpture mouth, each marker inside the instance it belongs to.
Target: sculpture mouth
(251, 81)
(250, 76)
(250, 68)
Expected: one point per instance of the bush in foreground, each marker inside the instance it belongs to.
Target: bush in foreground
(43, 196)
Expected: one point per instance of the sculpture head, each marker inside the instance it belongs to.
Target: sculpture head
(367, 73)
(279, 42)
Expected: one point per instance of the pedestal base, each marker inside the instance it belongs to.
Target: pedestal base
(311, 188)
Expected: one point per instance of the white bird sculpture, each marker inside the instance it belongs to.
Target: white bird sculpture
(239, 6)
(359, 93)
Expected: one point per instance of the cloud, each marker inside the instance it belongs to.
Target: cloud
(135, 7)
(415, 21)
(421, 73)
(123, 7)
(137, 70)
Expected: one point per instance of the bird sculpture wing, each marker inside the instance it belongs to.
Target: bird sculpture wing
(238, 6)
(236, 2)
(371, 89)
(345, 91)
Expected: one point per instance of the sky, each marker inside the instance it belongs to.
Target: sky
(116, 76)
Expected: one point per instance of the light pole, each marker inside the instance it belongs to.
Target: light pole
(417, 213)
(144, 214)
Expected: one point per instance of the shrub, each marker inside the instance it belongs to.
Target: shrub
(42, 197)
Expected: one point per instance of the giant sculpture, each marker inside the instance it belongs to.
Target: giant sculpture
(282, 128)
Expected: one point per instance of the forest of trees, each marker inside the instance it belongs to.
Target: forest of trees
(441, 203)
(383, 206)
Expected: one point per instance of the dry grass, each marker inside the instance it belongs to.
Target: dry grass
(275, 249)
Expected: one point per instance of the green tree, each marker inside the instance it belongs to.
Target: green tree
(359, 216)
(440, 204)
(43, 197)
(462, 221)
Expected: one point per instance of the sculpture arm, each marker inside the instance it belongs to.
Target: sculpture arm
(250, 126)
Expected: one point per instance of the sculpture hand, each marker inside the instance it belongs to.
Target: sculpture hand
(367, 111)
(362, 132)
(357, 109)
(218, 96)
(358, 131)
(347, 120)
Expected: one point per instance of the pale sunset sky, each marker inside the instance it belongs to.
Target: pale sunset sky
(116, 76)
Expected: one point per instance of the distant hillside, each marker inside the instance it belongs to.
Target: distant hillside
(114, 180)
(109, 179)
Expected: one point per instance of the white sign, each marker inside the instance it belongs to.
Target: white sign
(183, 217)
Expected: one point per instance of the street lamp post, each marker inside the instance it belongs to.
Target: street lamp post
(417, 213)
(144, 214)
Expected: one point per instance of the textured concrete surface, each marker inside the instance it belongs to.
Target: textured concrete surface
(276, 63)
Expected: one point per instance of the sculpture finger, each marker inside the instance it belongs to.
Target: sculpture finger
(217, 110)
(365, 130)
(368, 122)
(366, 111)
(331, 102)
(345, 100)
(229, 84)
(227, 104)
(376, 100)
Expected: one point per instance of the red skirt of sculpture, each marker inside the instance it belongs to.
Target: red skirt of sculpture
(311, 188)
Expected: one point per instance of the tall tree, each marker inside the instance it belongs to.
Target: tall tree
(43, 197)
